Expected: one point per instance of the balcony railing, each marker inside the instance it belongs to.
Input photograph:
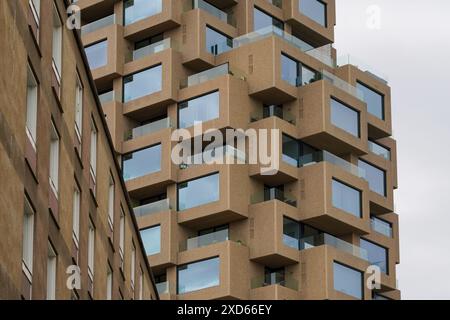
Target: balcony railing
(204, 240)
(227, 151)
(322, 54)
(151, 208)
(211, 74)
(257, 116)
(321, 156)
(98, 24)
(151, 49)
(381, 227)
(216, 12)
(273, 194)
(379, 150)
(107, 97)
(148, 129)
(343, 85)
(369, 70)
(162, 287)
(328, 239)
(276, 3)
(275, 278)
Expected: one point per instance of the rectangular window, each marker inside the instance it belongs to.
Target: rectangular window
(315, 10)
(57, 42)
(198, 192)
(141, 284)
(348, 280)
(216, 42)
(54, 159)
(136, 10)
(344, 117)
(198, 275)
(36, 9)
(308, 76)
(133, 265)
(111, 201)
(91, 250)
(151, 237)
(376, 177)
(51, 273)
(122, 236)
(373, 99)
(289, 70)
(346, 198)
(93, 150)
(142, 162)
(290, 150)
(291, 233)
(28, 240)
(377, 255)
(262, 20)
(76, 214)
(200, 109)
(97, 54)
(79, 107)
(109, 283)
(32, 106)
(142, 83)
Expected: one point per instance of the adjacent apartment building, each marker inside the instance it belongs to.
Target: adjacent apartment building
(67, 230)
(227, 231)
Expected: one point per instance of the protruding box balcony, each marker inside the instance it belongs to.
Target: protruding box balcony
(319, 129)
(233, 270)
(315, 19)
(274, 286)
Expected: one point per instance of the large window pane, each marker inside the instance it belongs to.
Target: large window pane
(198, 275)
(346, 198)
(136, 10)
(141, 163)
(262, 20)
(378, 255)
(202, 109)
(308, 75)
(374, 100)
(348, 281)
(198, 192)
(291, 233)
(314, 9)
(376, 177)
(290, 150)
(216, 42)
(289, 70)
(142, 83)
(97, 54)
(151, 238)
(344, 117)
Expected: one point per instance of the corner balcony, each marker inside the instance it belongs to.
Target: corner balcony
(233, 271)
(325, 127)
(312, 18)
(160, 213)
(266, 233)
(162, 16)
(276, 286)
(345, 211)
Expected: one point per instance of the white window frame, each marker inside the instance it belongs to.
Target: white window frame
(122, 236)
(57, 35)
(51, 272)
(141, 284)
(76, 214)
(32, 106)
(91, 250)
(54, 159)
(28, 240)
(35, 6)
(79, 108)
(93, 150)
(133, 265)
(111, 202)
(109, 283)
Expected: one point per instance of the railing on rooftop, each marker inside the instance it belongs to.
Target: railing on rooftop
(211, 74)
(226, 17)
(343, 85)
(369, 70)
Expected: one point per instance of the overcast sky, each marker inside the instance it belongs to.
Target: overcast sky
(412, 46)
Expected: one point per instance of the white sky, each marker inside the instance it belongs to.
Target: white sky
(412, 47)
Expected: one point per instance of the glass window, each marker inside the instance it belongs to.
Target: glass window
(136, 10)
(76, 214)
(376, 177)
(148, 41)
(380, 150)
(91, 250)
(142, 83)
(28, 239)
(346, 198)
(348, 280)
(290, 150)
(291, 233)
(289, 70)
(198, 275)
(262, 20)
(216, 42)
(32, 104)
(273, 110)
(314, 9)
(344, 117)
(54, 159)
(378, 255)
(51, 273)
(57, 42)
(381, 226)
(202, 109)
(198, 192)
(97, 54)
(308, 75)
(374, 100)
(142, 162)
(151, 237)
